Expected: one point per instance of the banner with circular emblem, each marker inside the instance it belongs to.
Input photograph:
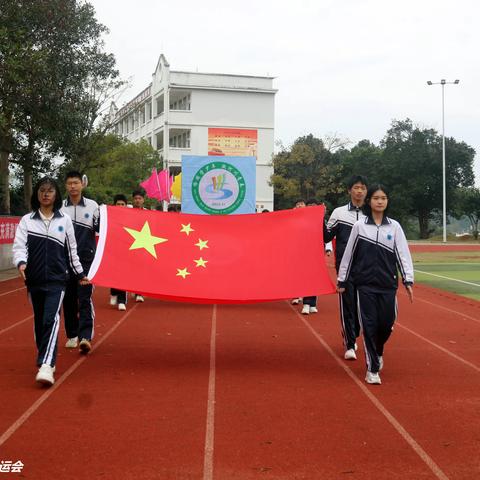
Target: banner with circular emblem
(218, 186)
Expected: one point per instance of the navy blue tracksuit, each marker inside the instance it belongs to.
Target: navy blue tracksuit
(373, 256)
(48, 249)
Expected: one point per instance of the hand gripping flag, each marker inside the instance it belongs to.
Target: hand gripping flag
(212, 258)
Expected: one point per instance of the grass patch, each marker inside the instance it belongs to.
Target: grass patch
(456, 272)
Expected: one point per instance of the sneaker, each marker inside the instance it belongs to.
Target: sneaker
(113, 300)
(139, 298)
(121, 306)
(380, 361)
(373, 378)
(313, 310)
(356, 346)
(306, 310)
(45, 375)
(350, 354)
(85, 346)
(296, 301)
(72, 343)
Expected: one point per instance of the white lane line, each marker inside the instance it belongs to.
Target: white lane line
(38, 403)
(209, 435)
(444, 308)
(437, 471)
(16, 324)
(444, 350)
(447, 278)
(12, 291)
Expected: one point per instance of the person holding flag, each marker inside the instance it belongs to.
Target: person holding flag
(78, 306)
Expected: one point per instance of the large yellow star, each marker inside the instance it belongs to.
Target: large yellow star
(186, 229)
(182, 273)
(144, 239)
(201, 262)
(201, 244)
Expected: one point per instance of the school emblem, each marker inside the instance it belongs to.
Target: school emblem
(218, 188)
(60, 228)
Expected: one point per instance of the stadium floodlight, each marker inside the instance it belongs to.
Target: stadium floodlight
(443, 82)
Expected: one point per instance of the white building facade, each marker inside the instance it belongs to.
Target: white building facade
(191, 113)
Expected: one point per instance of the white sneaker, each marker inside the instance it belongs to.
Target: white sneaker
(306, 310)
(121, 306)
(380, 361)
(139, 298)
(350, 354)
(296, 301)
(313, 310)
(113, 300)
(72, 343)
(373, 378)
(45, 375)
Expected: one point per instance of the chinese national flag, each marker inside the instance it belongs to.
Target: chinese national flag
(212, 258)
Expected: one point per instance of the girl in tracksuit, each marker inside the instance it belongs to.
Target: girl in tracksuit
(43, 249)
(376, 250)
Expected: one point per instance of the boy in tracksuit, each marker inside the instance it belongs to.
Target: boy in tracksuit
(339, 226)
(78, 304)
(43, 249)
(376, 250)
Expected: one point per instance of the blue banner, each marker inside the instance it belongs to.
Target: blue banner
(213, 185)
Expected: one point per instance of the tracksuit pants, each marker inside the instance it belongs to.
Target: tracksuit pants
(46, 303)
(349, 315)
(78, 310)
(120, 294)
(312, 301)
(377, 312)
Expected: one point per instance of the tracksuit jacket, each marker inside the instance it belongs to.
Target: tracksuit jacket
(373, 253)
(339, 226)
(44, 250)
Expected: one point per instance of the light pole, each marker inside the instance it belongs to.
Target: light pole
(443, 82)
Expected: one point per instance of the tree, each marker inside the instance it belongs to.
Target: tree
(304, 171)
(121, 167)
(412, 168)
(52, 66)
(468, 204)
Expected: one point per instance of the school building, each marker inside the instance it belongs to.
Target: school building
(192, 113)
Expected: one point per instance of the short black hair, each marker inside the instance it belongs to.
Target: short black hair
(74, 174)
(367, 209)
(138, 192)
(119, 196)
(300, 200)
(265, 210)
(35, 203)
(312, 201)
(357, 179)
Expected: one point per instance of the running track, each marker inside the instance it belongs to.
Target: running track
(179, 391)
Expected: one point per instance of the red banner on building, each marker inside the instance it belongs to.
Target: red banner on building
(8, 227)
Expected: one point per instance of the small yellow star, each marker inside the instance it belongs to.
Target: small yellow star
(186, 229)
(201, 244)
(145, 239)
(201, 262)
(182, 273)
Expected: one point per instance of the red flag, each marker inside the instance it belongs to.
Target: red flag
(213, 258)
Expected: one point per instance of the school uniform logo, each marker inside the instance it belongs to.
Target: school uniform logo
(218, 188)
(87, 215)
(60, 228)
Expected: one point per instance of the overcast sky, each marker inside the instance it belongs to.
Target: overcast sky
(347, 66)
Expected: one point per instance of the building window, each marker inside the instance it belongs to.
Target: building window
(160, 105)
(179, 139)
(148, 107)
(180, 101)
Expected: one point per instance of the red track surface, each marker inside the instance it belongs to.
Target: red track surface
(266, 396)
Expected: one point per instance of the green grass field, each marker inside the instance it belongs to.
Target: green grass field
(457, 272)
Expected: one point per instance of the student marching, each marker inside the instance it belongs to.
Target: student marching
(377, 246)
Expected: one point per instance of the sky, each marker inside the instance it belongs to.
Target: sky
(343, 67)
